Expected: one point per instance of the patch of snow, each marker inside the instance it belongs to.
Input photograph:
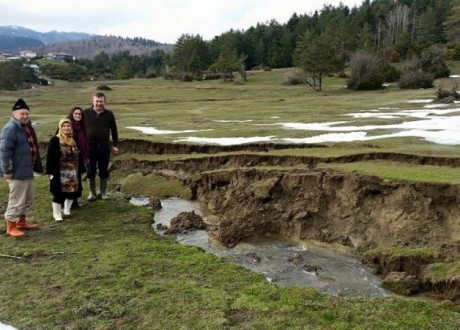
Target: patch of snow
(154, 131)
(233, 121)
(439, 105)
(433, 126)
(226, 141)
(420, 101)
(331, 137)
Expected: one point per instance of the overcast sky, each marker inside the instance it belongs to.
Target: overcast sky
(161, 20)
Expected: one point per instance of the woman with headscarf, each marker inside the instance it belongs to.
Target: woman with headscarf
(63, 165)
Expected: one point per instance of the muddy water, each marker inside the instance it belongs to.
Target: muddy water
(283, 262)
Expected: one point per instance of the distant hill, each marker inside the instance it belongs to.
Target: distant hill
(78, 44)
(15, 37)
(9, 43)
(89, 48)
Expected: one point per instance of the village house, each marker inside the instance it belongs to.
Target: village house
(27, 54)
(8, 57)
(4, 57)
(61, 57)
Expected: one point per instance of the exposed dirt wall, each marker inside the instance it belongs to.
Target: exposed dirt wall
(357, 210)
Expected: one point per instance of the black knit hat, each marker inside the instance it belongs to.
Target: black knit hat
(20, 104)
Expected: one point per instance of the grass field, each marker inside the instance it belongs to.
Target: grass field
(216, 109)
(260, 105)
(105, 268)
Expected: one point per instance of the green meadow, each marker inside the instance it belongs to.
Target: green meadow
(105, 268)
(260, 104)
(217, 109)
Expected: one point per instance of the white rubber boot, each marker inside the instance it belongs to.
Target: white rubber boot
(57, 214)
(67, 206)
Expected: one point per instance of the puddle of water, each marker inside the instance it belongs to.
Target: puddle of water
(289, 263)
(281, 261)
(139, 201)
(6, 327)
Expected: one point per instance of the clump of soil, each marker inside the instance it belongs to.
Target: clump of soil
(185, 222)
(298, 259)
(155, 204)
(402, 283)
(383, 264)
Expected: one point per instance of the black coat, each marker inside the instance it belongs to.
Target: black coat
(53, 156)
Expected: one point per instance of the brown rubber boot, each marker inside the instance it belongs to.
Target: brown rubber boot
(23, 225)
(12, 230)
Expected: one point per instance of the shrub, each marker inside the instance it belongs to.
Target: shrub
(218, 75)
(198, 76)
(442, 93)
(212, 75)
(456, 52)
(433, 60)
(187, 76)
(172, 73)
(367, 71)
(448, 95)
(151, 72)
(293, 80)
(168, 76)
(43, 81)
(390, 73)
(261, 67)
(414, 79)
(342, 74)
(369, 82)
(394, 57)
(103, 88)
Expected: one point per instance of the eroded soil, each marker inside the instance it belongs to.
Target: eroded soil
(245, 198)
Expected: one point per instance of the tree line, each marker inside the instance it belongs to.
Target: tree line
(327, 41)
(90, 47)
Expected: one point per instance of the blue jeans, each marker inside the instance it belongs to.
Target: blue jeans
(99, 158)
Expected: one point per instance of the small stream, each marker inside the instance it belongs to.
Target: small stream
(327, 269)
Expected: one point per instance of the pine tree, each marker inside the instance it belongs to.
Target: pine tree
(452, 23)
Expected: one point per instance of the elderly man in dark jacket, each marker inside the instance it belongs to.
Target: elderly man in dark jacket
(19, 159)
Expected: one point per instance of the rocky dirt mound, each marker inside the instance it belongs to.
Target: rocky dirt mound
(185, 222)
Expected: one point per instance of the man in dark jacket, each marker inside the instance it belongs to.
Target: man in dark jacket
(19, 159)
(100, 124)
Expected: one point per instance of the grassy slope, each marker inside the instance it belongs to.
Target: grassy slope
(105, 268)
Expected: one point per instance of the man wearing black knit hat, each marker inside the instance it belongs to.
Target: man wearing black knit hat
(19, 159)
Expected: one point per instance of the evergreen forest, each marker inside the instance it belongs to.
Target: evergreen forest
(370, 37)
